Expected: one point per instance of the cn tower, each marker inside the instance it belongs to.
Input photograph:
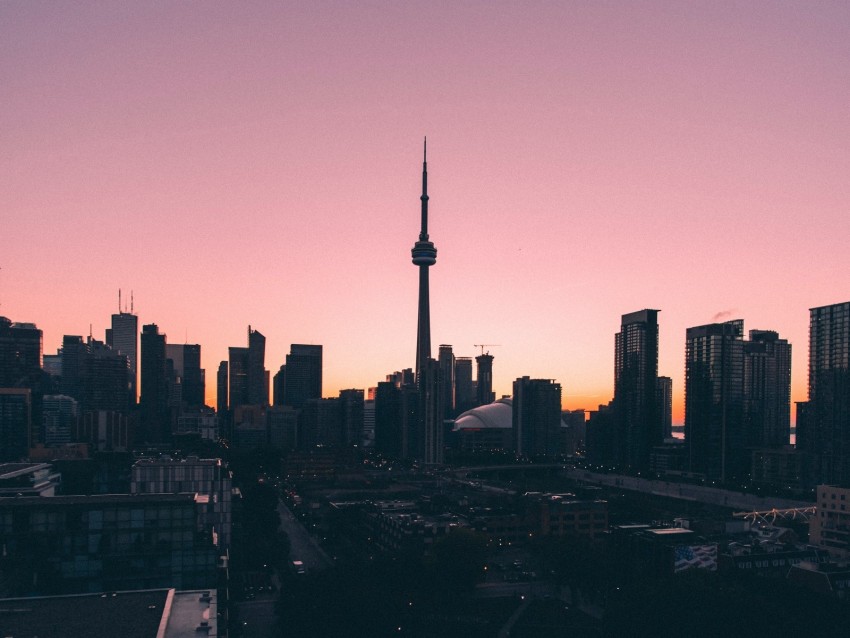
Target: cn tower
(424, 255)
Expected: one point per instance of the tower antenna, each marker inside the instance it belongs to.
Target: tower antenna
(131, 303)
(119, 301)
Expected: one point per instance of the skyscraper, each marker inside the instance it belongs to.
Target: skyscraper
(238, 377)
(187, 365)
(664, 402)
(447, 371)
(153, 403)
(714, 369)
(302, 375)
(258, 387)
(123, 337)
(428, 435)
(827, 415)
(484, 379)
(767, 390)
(635, 380)
(464, 388)
(221, 388)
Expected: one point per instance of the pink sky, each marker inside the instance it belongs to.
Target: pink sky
(259, 163)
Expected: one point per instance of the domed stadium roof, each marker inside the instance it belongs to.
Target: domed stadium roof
(492, 416)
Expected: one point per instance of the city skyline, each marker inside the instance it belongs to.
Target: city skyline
(258, 166)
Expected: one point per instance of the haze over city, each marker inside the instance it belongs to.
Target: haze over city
(258, 164)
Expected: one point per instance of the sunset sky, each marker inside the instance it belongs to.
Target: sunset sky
(259, 163)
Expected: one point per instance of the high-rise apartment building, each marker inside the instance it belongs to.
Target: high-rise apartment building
(303, 374)
(827, 413)
(714, 398)
(767, 390)
(484, 379)
(153, 403)
(635, 379)
(664, 403)
(537, 417)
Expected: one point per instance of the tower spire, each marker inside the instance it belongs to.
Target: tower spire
(424, 255)
(423, 234)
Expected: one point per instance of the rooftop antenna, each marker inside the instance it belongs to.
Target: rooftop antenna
(131, 303)
(119, 301)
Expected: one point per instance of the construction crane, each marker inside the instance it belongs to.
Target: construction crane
(486, 345)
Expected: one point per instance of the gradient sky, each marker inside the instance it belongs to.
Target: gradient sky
(259, 163)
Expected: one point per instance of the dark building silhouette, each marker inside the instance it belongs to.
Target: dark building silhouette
(320, 424)
(258, 386)
(153, 403)
(105, 381)
(238, 377)
(20, 366)
(600, 436)
(351, 410)
(825, 431)
(714, 398)
(74, 351)
(664, 403)
(537, 417)
(635, 386)
(221, 388)
(447, 372)
(186, 361)
(123, 337)
(484, 379)
(388, 419)
(278, 384)
(16, 423)
(767, 390)
(302, 375)
(20, 354)
(427, 441)
(60, 415)
(464, 388)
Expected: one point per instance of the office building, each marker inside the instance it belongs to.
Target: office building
(16, 424)
(74, 351)
(221, 388)
(59, 419)
(714, 398)
(278, 383)
(20, 354)
(186, 360)
(447, 371)
(106, 543)
(123, 337)
(302, 375)
(258, 385)
(537, 417)
(464, 388)
(351, 414)
(105, 380)
(153, 403)
(238, 377)
(635, 387)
